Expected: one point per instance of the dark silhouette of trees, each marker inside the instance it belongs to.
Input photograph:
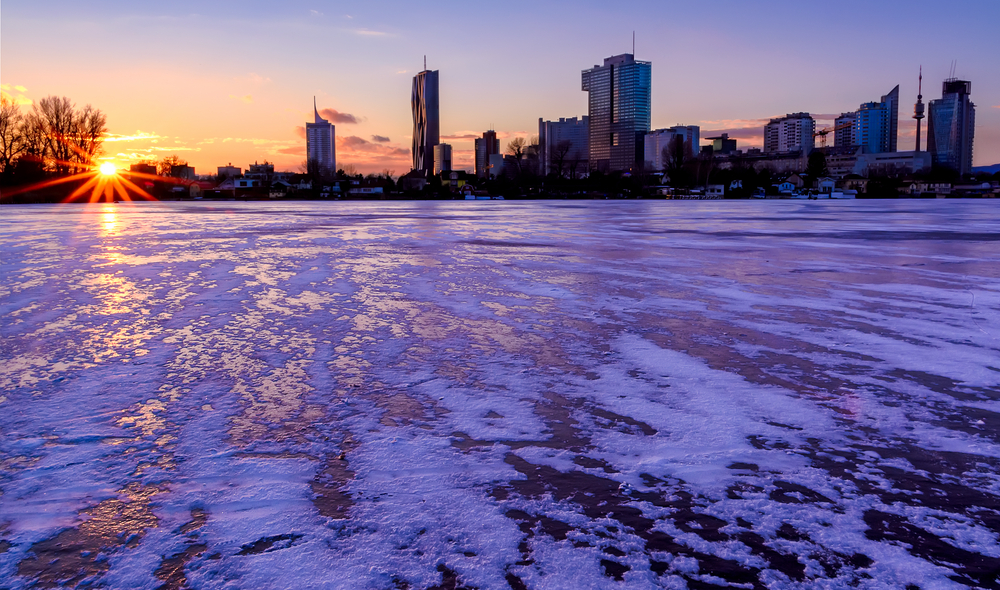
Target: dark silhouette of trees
(13, 142)
(816, 166)
(515, 148)
(574, 164)
(70, 137)
(674, 154)
(54, 137)
(165, 167)
(559, 154)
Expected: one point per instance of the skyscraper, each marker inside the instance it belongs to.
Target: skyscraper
(876, 124)
(486, 146)
(321, 145)
(426, 122)
(791, 133)
(951, 126)
(619, 111)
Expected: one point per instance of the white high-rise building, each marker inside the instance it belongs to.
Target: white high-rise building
(321, 144)
(658, 140)
(843, 134)
(791, 133)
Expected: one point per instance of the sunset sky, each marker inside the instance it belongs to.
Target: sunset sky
(228, 81)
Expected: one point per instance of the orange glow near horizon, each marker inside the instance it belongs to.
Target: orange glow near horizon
(102, 182)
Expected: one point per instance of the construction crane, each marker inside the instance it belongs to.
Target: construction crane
(822, 133)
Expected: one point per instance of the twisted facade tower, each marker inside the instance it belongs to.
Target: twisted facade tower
(426, 122)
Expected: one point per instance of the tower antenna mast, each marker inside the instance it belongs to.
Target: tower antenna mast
(918, 109)
(633, 44)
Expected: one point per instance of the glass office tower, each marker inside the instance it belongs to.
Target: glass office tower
(618, 111)
(321, 145)
(951, 126)
(876, 124)
(426, 122)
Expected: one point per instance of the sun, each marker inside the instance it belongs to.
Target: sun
(103, 182)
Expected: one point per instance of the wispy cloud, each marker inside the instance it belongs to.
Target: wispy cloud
(315, 13)
(246, 98)
(461, 136)
(257, 141)
(354, 145)
(734, 123)
(335, 116)
(509, 134)
(15, 94)
(402, 71)
(746, 133)
(173, 148)
(257, 79)
(370, 33)
(380, 139)
(352, 142)
(996, 106)
(137, 136)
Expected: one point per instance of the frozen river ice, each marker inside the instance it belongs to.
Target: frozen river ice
(501, 395)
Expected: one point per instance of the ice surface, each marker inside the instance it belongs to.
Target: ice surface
(500, 395)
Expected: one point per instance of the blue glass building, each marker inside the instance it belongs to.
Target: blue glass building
(876, 124)
(618, 111)
(951, 126)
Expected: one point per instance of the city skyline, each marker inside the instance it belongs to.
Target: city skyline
(223, 96)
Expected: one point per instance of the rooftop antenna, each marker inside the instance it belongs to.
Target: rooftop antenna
(425, 63)
(918, 108)
(633, 43)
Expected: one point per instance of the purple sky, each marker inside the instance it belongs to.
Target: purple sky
(233, 81)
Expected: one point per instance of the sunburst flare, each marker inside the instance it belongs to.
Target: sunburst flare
(101, 183)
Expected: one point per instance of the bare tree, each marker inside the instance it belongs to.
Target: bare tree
(533, 152)
(34, 137)
(55, 116)
(165, 167)
(574, 164)
(559, 155)
(311, 168)
(12, 139)
(674, 154)
(515, 148)
(532, 147)
(66, 139)
(91, 125)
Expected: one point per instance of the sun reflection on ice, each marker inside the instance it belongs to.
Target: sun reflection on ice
(109, 222)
